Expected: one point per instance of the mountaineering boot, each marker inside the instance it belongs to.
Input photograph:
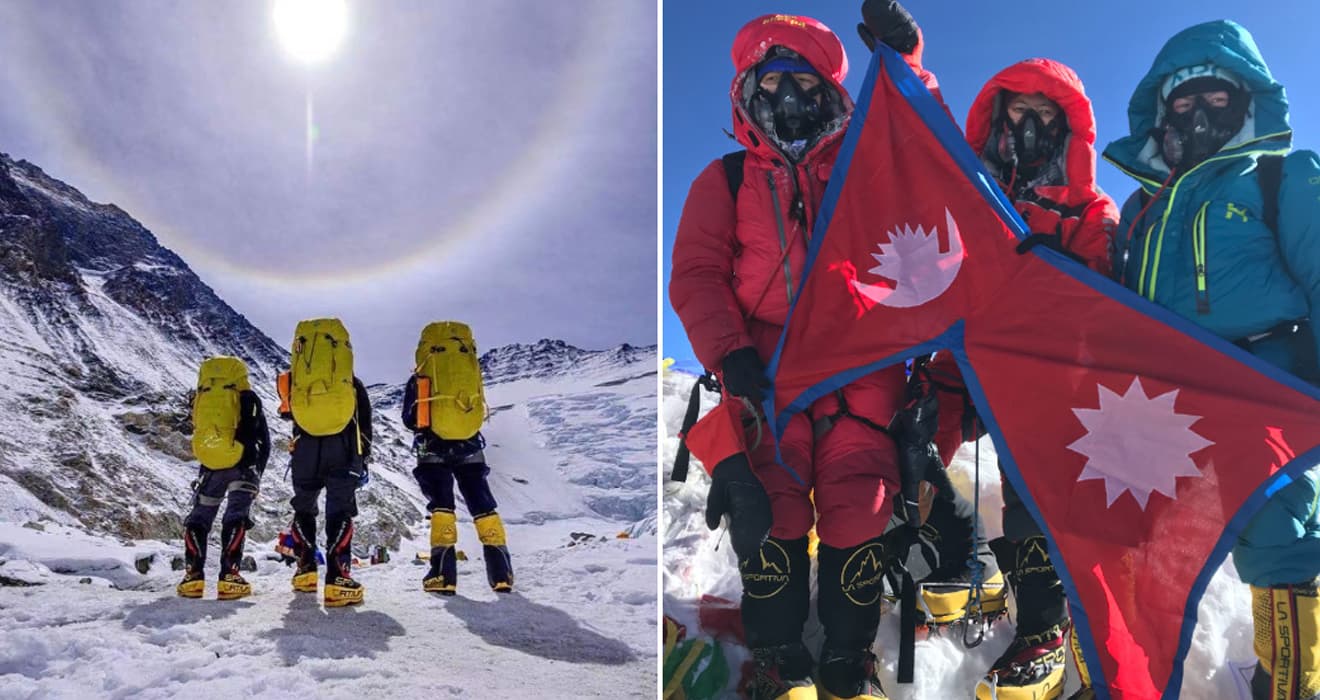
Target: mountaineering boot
(845, 675)
(781, 673)
(340, 588)
(776, 583)
(1032, 667)
(304, 542)
(951, 532)
(849, 583)
(1086, 692)
(442, 578)
(495, 549)
(232, 586)
(1286, 619)
(194, 558)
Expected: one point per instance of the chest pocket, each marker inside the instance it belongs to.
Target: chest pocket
(1228, 239)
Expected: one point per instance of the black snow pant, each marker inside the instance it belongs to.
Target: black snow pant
(331, 463)
(239, 483)
(436, 480)
(1018, 523)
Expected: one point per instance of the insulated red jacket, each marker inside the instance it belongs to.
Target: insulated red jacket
(1078, 212)
(737, 265)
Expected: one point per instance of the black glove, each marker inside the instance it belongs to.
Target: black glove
(735, 491)
(913, 430)
(1050, 241)
(890, 23)
(744, 375)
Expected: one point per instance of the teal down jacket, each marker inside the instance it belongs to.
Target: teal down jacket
(1202, 250)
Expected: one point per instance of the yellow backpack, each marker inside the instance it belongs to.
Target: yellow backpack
(450, 398)
(321, 394)
(216, 411)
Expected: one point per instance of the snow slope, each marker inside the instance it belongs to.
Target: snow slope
(698, 562)
(571, 455)
(101, 333)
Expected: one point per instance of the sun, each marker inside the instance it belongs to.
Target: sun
(310, 30)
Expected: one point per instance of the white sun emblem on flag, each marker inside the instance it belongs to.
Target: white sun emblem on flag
(1137, 443)
(911, 258)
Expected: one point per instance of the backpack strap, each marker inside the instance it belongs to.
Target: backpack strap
(681, 460)
(1269, 174)
(733, 171)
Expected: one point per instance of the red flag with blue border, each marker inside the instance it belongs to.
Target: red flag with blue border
(1140, 442)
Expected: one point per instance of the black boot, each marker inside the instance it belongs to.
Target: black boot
(340, 588)
(939, 563)
(194, 558)
(304, 541)
(495, 550)
(775, 601)
(781, 673)
(1033, 665)
(849, 584)
(232, 585)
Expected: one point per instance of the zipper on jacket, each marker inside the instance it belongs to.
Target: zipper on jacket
(1198, 253)
(783, 239)
(1173, 195)
(1145, 257)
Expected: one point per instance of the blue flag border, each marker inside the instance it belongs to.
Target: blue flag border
(947, 133)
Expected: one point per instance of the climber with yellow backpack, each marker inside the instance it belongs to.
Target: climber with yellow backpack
(331, 416)
(444, 404)
(232, 442)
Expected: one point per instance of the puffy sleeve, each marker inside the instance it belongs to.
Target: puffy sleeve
(1093, 240)
(701, 284)
(1299, 226)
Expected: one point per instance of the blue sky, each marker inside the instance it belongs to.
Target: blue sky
(1110, 44)
(493, 162)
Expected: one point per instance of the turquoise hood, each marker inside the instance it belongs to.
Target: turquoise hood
(1222, 43)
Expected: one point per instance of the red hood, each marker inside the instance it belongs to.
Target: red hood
(1059, 83)
(812, 40)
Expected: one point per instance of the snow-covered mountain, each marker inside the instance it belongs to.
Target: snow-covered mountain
(101, 333)
(700, 572)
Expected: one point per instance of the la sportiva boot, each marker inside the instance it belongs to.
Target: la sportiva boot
(846, 674)
(947, 592)
(495, 550)
(849, 583)
(232, 585)
(776, 583)
(442, 577)
(304, 544)
(340, 588)
(781, 673)
(1033, 665)
(193, 584)
(1086, 692)
(1286, 619)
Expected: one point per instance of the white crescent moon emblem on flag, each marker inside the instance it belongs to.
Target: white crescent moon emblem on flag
(911, 258)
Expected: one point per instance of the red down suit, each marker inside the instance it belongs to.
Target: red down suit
(1075, 210)
(736, 264)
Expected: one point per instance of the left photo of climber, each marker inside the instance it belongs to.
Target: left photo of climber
(329, 336)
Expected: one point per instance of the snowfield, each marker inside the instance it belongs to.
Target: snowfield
(698, 562)
(572, 460)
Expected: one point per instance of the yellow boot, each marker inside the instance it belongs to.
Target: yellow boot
(193, 585)
(232, 587)
(1286, 619)
(499, 567)
(340, 588)
(1085, 692)
(943, 604)
(442, 578)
